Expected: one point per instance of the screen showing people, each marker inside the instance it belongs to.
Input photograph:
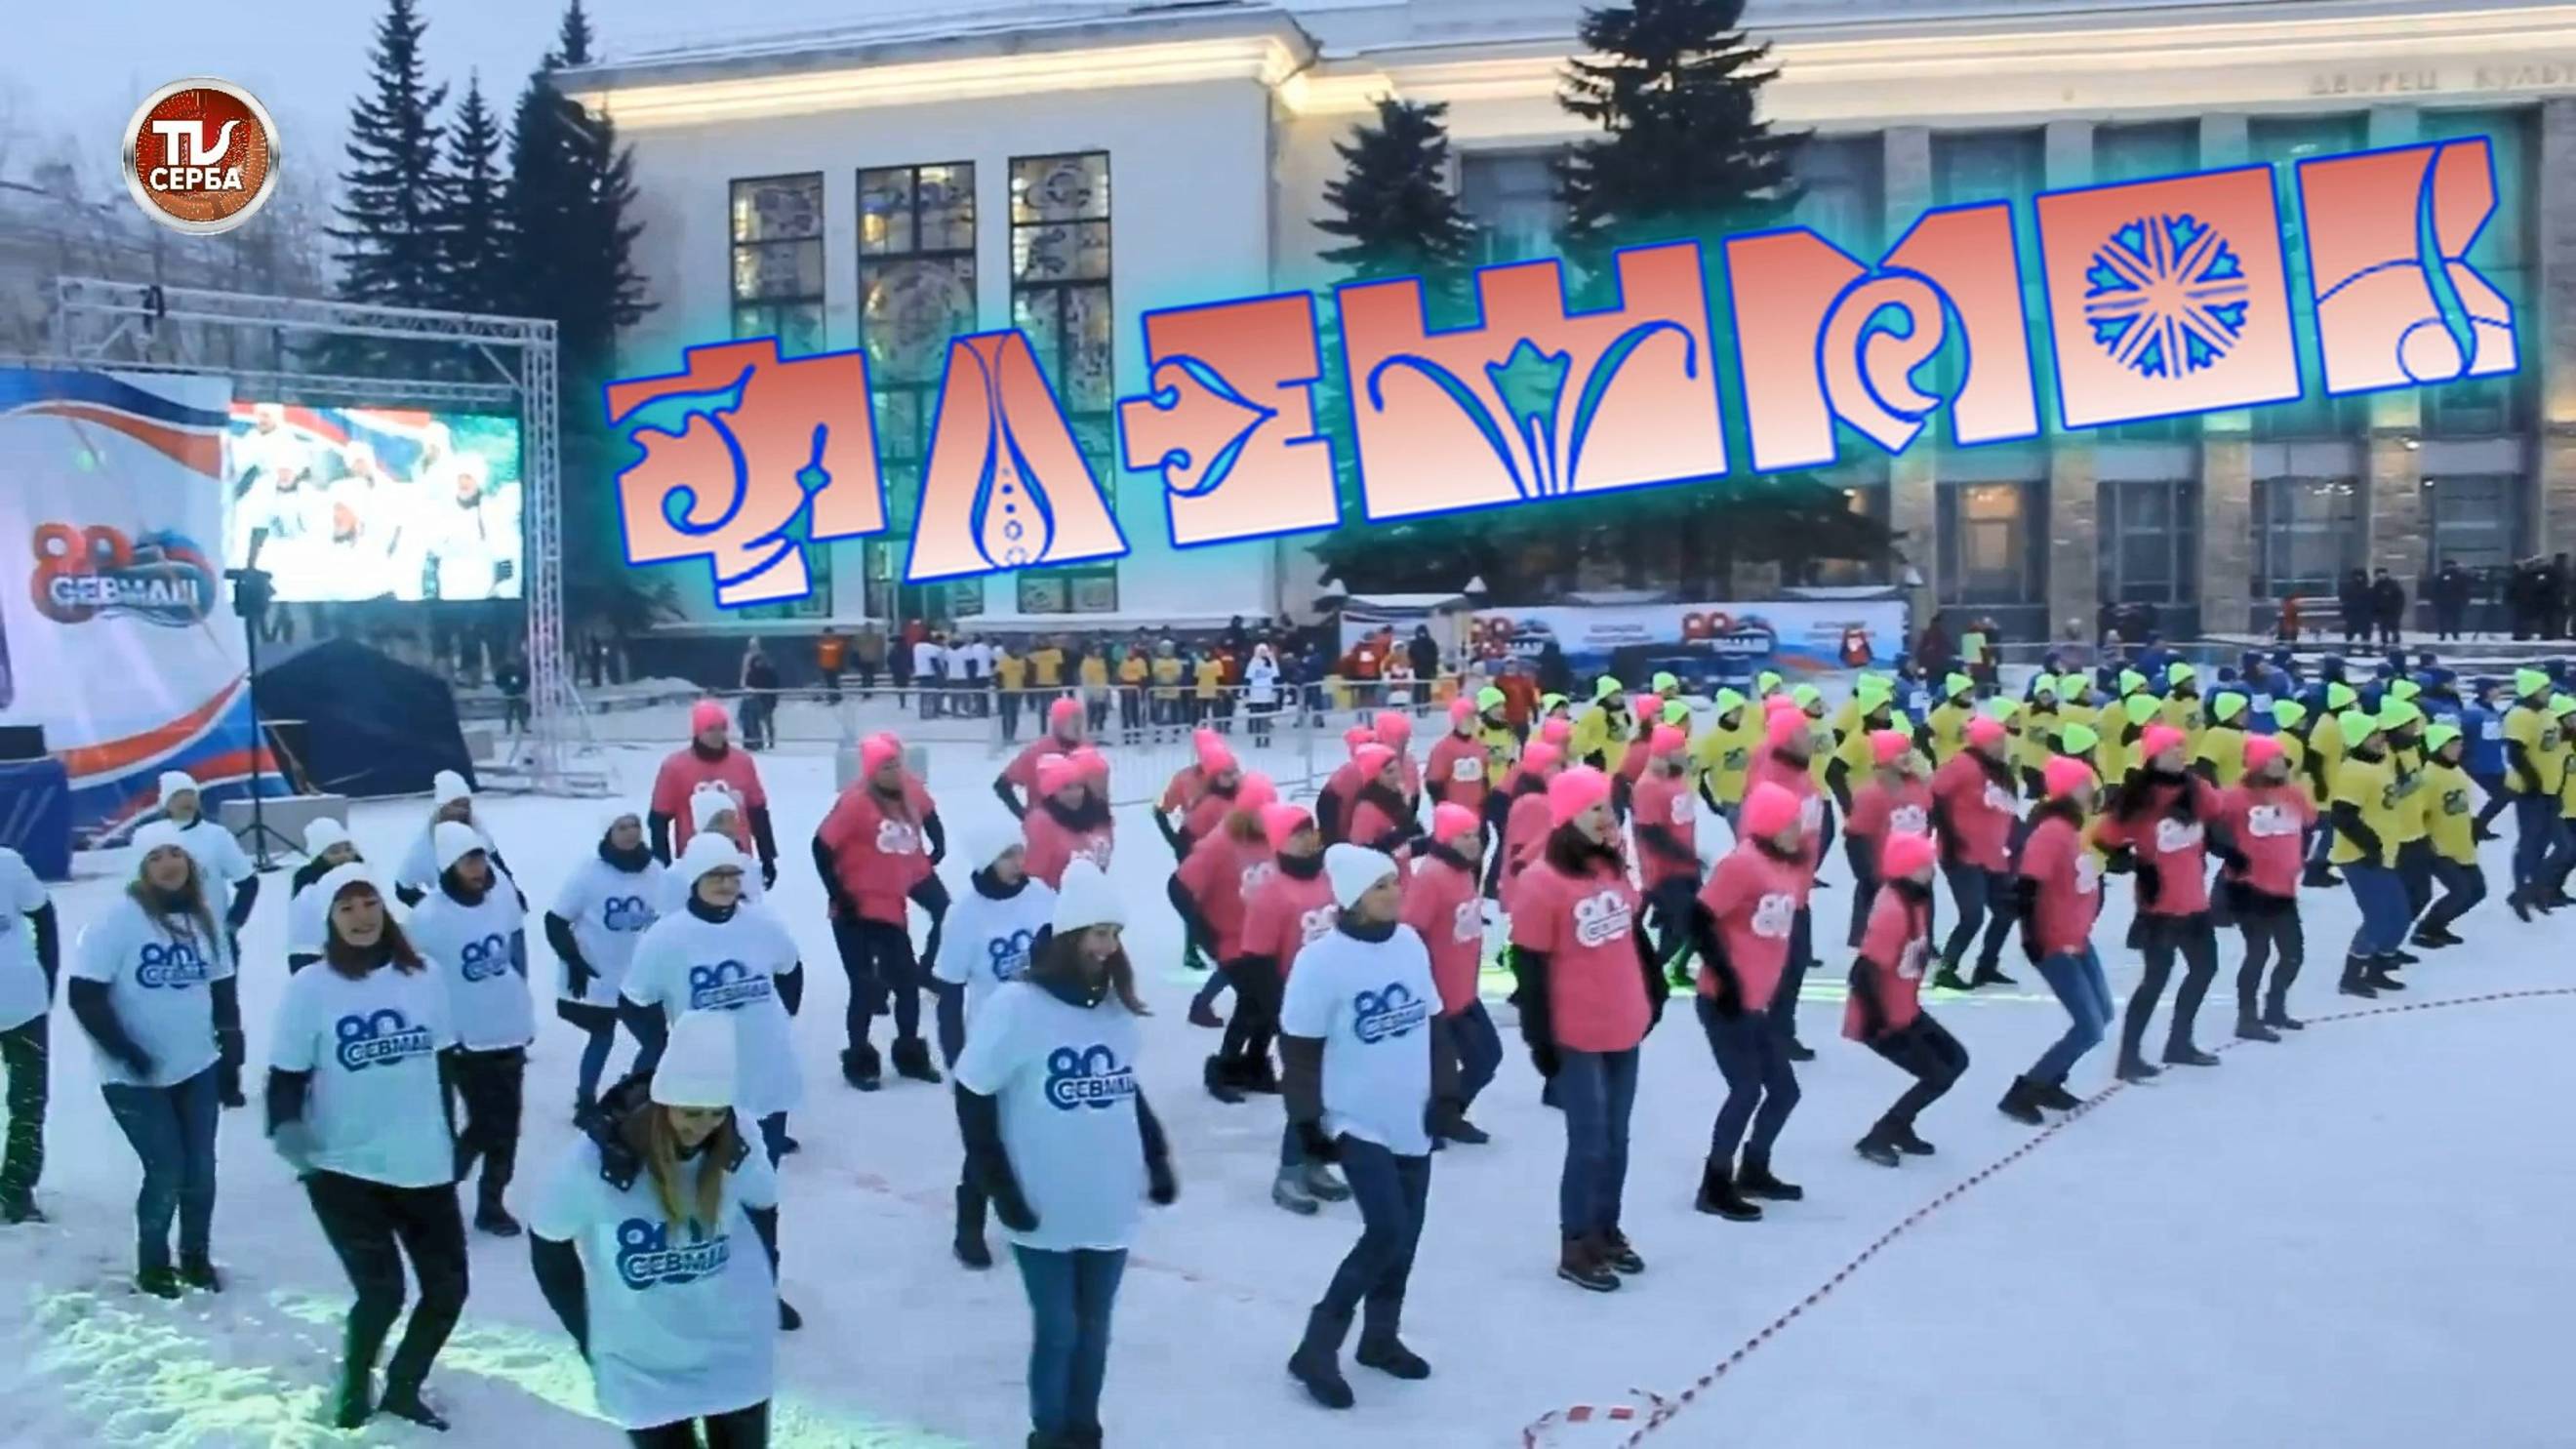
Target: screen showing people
(367, 503)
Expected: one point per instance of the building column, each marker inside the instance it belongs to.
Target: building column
(2397, 521)
(2226, 457)
(1913, 510)
(2074, 515)
(2551, 333)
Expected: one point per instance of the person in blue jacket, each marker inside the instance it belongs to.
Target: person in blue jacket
(2482, 726)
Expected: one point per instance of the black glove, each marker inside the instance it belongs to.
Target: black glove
(2231, 857)
(2151, 882)
(1316, 1145)
(1659, 992)
(1162, 1189)
(228, 1061)
(1726, 997)
(1010, 1207)
(769, 873)
(578, 976)
(1543, 1056)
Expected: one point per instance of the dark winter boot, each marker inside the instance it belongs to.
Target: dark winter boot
(2021, 1103)
(1991, 975)
(1288, 1190)
(969, 1247)
(2381, 974)
(354, 1403)
(2356, 978)
(403, 1401)
(2135, 1068)
(1317, 1363)
(1908, 1143)
(860, 1067)
(1322, 1185)
(1797, 1051)
(2179, 1052)
(159, 1282)
(1215, 1075)
(2054, 1096)
(491, 1217)
(1717, 1194)
(1449, 1124)
(1203, 1014)
(1380, 1347)
(1949, 979)
(1258, 1074)
(1614, 1252)
(2276, 1007)
(2434, 938)
(1754, 1179)
(2519, 902)
(2250, 1027)
(912, 1060)
(2318, 878)
(1879, 1146)
(789, 1320)
(1578, 1264)
(198, 1272)
(20, 1208)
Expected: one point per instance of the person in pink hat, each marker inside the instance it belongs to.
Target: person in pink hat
(1291, 909)
(1665, 816)
(1221, 780)
(872, 853)
(1976, 801)
(1526, 823)
(1181, 793)
(1786, 759)
(1455, 774)
(1744, 932)
(2267, 817)
(1634, 752)
(2158, 825)
(1071, 820)
(1017, 786)
(1886, 1012)
(930, 893)
(1209, 895)
(1395, 731)
(1589, 991)
(1894, 800)
(1443, 905)
(709, 758)
(2059, 888)
(1333, 802)
(1381, 818)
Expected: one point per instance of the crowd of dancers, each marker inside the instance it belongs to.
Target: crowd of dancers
(1353, 937)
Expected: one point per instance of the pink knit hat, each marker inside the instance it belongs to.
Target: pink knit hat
(1279, 820)
(1093, 764)
(1066, 710)
(1889, 746)
(1356, 736)
(2261, 750)
(1667, 740)
(1450, 821)
(878, 751)
(2064, 775)
(707, 715)
(1055, 772)
(1255, 792)
(1785, 725)
(1574, 792)
(1645, 706)
(1371, 759)
(1905, 853)
(1462, 710)
(1394, 728)
(1985, 729)
(1555, 730)
(1769, 810)
(2157, 739)
(1213, 754)
(1540, 758)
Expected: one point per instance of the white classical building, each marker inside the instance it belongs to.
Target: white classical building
(1069, 166)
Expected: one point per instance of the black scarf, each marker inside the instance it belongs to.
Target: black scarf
(1449, 855)
(712, 915)
(628, 861)
(699, 748)
(1359, 930)
(993, 890)
(1301, 867)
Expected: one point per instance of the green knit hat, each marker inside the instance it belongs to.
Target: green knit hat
(1807, 696)
(1958, 684)
(2528, 682)
(2403, 689)
(1664, 683)
(2227, 707)
(1491, 698)
(1549, 703)
(2073, 688)
(2045, 684)
(2131, 681)
(1729, 701)
(2078, 739)
(2397, 714)
(1676, 711)
(2440, 734)
(2141, 708)
(2340, 697)
(1604, 687)
(2562, 704)
(1766, 683)
(2355, 727)
(2002, 708)
(2178, 673)
(1871, 687)
(2288, 713)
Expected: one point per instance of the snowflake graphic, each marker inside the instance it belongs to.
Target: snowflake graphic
(2166, 296)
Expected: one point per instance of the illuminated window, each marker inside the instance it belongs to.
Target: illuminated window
(916, 291)
(778, 261)
(1060, 297)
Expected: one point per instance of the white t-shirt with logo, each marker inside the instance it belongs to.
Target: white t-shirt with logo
(23, 996)
(685, 964)
(1371, 1002)
(683, 1319)
(986, 942)
(610, 910)
(481, 952)
(372, 1047)
(1064, 1078)
(219, 859)
(159, 979)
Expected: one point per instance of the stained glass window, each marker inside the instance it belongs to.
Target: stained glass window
(778, 260)
(1060, 296)
(916, 291)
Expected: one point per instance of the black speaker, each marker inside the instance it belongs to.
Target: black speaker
(22, 742)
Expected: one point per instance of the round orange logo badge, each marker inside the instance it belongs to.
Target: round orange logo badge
(201, 156)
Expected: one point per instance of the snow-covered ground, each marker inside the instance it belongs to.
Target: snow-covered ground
(2355, 1238)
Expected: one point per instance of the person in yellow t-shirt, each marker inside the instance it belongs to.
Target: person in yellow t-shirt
(1208, 676)
(2554, 879)
(2288, 717)
(2117, 753)
(1167, 686)
(1950, 717)
(1820, 739)
(1853, 759)
(2183, 708)
(1046, 666)
(1494, 732)
(1721, 755)
(2535, 771)
(2219, 753)
(1010, 683)
(2038, 735)
(1601, 732)
(1133, 709)
(2403, 723)
(2453, 813)
(2363, 817)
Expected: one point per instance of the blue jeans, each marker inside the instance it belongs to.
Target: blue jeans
(2539, 842)
(1793, 977)
(2086, 994)
(1597, 1090)
(2463, 886)
(173, 1132)
(1984, 898)
(1391, 1192)
(1761, 1087)
(1469, 1036)
(1071, 1295)
(2382, 898)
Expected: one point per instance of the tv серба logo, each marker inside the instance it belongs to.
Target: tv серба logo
(201, 156)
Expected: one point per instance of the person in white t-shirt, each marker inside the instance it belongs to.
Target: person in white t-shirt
(608, 901)
(720, 951)
(450, 798)
(992, 927)
(929, 663)
(30, 959)
(327, 847)
(1060, 1138)
(153, 988)
(715, 809)
(657, 1248)
(1355, 1038)
(357, 1106)
(474, 933)
(231, 886)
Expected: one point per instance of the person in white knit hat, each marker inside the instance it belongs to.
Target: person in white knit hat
(224, 873)
(1059, 1136)
(1360, 1076)
(474, 931)
(992, 930)
(721, 952)
(327, 847)
(610, 898)
(713, 810)
(450, 800)
(644, 1248)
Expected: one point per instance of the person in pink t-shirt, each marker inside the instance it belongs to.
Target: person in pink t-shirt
(1395, 731)
(1744, 934)
(709, 758)
(1628, 757)
(1210, 893)
(2158, 823)
(1071, 819)
(1443, 905)
(1290, 910)
(1886, 1013)
(1665, 817)
(2266, 818)
(1064, 736)
(1789, 745)
(1975, 801)
(872, 852)
(1894, 800)
(2059, 894)
(1333, 802)
(1589, 991)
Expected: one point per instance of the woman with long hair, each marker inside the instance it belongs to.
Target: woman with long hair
(1444, 908)
(1895, 800)
(2267, 815)
(605, 906)
(327, 847)
(1975, 804)
(451, 800)
(357, 1105)
(1071, 819)
(475, 936)
(153, 988)
(1066, 1182)
(638, 1248)
(1590, 990)
(1211, 893)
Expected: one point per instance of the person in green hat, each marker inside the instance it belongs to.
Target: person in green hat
(1950, 717)
(1665, 684)
(2454, 836)
(2035, 734)
(2553, 880)
(2325, 760)
(2218, 755)
(1601, 732)
(2535, 773)
(2403, 723)
(2362, 813)
(2182, 707)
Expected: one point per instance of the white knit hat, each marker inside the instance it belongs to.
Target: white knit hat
(447, 787)
(1353, 869)
(707, 851)
(614, 811)
(698, 1064)
(320, 835)
(340, 877)
(176, 782)
(454, 840)
(707, 802)
(151, 837)
(988, 839)
(1086, 899)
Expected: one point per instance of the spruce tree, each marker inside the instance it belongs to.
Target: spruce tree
(473, 218)
(392, 192)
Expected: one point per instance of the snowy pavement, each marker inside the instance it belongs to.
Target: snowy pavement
(2356, 1238)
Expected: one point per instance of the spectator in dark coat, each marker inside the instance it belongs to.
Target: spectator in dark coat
(2450, 597)
(2388, 607)
(1423, 655)
(1555, 676)
(2359, 610)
